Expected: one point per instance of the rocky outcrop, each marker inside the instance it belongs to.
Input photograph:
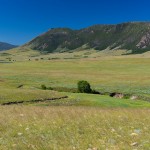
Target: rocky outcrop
(144, 42)
(116, 95)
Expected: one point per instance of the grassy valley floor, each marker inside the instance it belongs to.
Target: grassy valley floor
(108, 74)
(80, 121)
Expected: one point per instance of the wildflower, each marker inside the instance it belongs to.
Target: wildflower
(20, 134)
(134, 144)
(27, 129)
(112, 130)
(133, 134)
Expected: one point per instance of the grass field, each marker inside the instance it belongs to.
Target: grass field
(106, 101)
(24, 54)
(107, 74)
(70, 128)
(81, 121)
(19, 95)
(104, 74)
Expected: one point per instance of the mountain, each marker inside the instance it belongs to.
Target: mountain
(133, 36)
(6, 46)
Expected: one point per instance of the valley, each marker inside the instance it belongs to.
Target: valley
(42, 108)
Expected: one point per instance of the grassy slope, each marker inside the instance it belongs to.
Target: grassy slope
(23, 54)
(72, 128)
(106, 101)
(79, 99)
(17, 95)
(18, 54)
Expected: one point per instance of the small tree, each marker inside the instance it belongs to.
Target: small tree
(43, 87)
(84, 87)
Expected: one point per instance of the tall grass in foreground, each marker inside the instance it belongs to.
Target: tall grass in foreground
(73, 128)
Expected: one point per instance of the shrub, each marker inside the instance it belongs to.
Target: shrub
(49, 88)
(84, 87)
(43, 87)
(95, 92)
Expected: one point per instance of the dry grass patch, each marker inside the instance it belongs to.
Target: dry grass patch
(81, 128)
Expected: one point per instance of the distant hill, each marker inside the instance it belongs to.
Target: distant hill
(133, 36)
(6, 46)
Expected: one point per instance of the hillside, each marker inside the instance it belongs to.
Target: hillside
(6, 46)
(133, 36)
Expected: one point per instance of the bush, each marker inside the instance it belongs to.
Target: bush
(49, 88)
(95, 92)
(43, 87)
(84, 87)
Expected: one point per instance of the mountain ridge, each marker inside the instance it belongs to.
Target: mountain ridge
(133, 36)
(6, 46)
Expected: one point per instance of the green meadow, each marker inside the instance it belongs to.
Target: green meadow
(22, 80)
(79, 121)
(131, 75)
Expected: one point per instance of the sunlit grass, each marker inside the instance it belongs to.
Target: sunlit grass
(17, 95)
(106, 101)
(30, 127)
(105, 125)
(130, 75)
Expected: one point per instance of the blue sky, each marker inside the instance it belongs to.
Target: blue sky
(22, 20)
